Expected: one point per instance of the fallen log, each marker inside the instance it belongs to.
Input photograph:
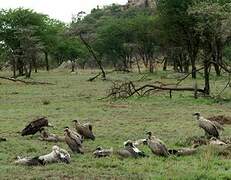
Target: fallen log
(25, 82)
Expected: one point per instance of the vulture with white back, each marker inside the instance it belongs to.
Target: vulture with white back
(130, 151)
(100, 152)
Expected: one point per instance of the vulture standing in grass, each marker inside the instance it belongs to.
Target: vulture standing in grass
(84, 129)
(208, 126)
(130, 151)
(35, 126)
(100, 152)
(157, 146)
(73, 141)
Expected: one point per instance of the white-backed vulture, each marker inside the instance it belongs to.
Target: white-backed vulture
(73, 141)
(100, 152)
(182, 151)
(130, 151)
(35, 126)
(215, 141)
(57, 155)
(137, 142)
(208, 126)
(84, 129)
(157, 146)
(29, 161)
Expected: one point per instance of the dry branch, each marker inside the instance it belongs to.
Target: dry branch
(96, 76)
(93, 78)
(25, 82)
(128, 89)
(182, 79)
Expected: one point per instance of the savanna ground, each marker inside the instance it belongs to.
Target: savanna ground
(114, 122)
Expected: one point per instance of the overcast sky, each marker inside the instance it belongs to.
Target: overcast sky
(59, 9)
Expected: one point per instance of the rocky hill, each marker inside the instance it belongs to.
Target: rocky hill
(141, 3)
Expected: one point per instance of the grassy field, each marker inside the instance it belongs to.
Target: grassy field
(114, 122)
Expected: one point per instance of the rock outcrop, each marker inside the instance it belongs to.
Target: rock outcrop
(141, 3)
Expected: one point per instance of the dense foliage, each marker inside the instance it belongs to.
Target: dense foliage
(183, 33)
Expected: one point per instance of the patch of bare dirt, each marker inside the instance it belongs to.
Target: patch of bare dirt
(221, 119)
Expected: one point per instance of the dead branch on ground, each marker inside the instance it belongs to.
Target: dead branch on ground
(25, 82)
(127, 89)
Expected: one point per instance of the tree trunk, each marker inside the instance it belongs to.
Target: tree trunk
(47, 61)
(20, 66)
(72, 66)
(14, 67)
(138, 66)
(194, 69)
(94, 56)
(151, 66)
(165, 64)
(35, 64)
(217, 69)
(30, 70)
(206, 75)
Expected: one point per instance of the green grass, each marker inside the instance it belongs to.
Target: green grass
(114, 122)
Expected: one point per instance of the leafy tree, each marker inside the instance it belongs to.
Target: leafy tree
(178, 27)
(213, 25)
(13, 25)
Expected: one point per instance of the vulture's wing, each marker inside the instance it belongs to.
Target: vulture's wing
(76, 139)
(209, 127)
(34, 126)
(218, 125)
(124, 153)
(88, 126)
(158, 148)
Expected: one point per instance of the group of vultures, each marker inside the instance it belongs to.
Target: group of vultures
(75, 140)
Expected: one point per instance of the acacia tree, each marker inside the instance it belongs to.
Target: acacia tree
(17, 27)
(146, 38)
(71, 49)
(178, 27)
(50, 35)
(213, 25)
(112, 42)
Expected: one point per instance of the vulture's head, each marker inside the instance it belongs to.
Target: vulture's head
(145, 142)
(66, 130)
(197, 114)
(41, 130)
(128, 143)
(149, 134)
(55, 148)
(50, 125)
(76, 121)
(99, 148)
